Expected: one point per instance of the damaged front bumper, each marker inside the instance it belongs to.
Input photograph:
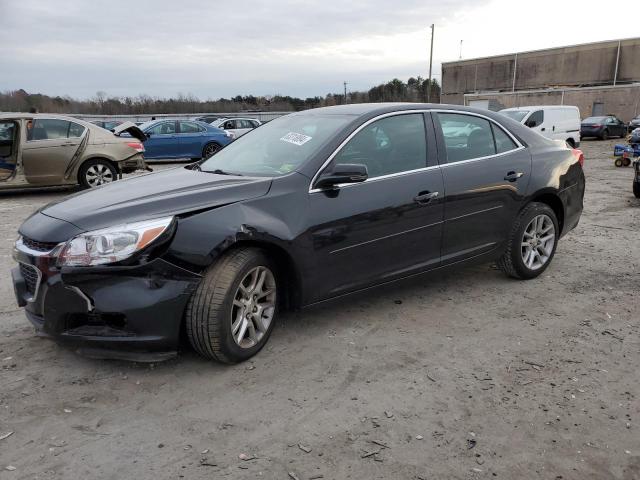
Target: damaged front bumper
(121, 312)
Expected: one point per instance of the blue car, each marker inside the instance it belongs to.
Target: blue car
(169, 139)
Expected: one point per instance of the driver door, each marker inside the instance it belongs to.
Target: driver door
(389, 226)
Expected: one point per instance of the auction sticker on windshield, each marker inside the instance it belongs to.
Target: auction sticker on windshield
(296, 138)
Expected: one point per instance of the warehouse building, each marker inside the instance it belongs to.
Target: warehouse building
(599, 78)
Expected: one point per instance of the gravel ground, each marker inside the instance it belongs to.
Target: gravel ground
(466, 375)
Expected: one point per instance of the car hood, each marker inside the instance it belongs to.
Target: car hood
(130, 128)
(169, 192)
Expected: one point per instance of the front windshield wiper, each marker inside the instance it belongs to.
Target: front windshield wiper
(223, 172)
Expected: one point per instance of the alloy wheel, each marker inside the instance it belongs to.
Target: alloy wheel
(538, 241)
(253, 307)
(210, 150)
(99, 174)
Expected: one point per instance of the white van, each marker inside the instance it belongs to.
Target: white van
(557, 122)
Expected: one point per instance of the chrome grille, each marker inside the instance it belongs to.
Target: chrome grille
(38, 246)
(31, 277)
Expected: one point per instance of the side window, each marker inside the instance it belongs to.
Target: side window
(503, 141)
(610, 121)
(535, 119)
(390, 145)
(48, 129)
(75, 130)
(466, 136)
(245, 124)
(229, 125)
(254, 124)
(164, 128)
(189, 127)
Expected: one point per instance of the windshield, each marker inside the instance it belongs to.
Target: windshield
(218, 122)
(277, 147)
(594, 120)
(517, 115)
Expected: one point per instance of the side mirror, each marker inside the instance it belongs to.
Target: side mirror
(148, 134)
(531, 123)
(343, 173)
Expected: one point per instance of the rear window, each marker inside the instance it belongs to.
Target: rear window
(516, 115)
(594, 120)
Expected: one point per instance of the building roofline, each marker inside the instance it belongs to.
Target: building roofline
(476, 59)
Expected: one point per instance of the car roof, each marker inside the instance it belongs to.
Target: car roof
(20, 115)
(539, 107)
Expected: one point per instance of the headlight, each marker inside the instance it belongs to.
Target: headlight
(111, 244)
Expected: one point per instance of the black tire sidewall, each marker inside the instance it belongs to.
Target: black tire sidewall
(533, 210)
(229, 347)
(82, 172)
(636, 189)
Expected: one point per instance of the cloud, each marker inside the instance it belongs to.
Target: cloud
(223, 48)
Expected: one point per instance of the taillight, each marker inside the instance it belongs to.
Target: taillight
(579, 155)
(137, 146)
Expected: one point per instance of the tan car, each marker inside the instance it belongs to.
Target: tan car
(38, 150)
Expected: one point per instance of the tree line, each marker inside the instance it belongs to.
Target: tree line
(414, 90)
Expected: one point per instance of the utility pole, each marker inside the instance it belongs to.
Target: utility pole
(345, 93)
(430, 64)
(460, 57)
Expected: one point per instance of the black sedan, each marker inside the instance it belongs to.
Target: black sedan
(603, 127)
(309, 207)
(634, 123)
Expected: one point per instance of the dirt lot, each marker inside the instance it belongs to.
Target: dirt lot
(470, 375)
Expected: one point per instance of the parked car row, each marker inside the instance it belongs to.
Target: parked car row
(560, 122)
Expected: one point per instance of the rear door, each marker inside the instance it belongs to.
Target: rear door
(163, 141)
(51, 145)
(191, 139)
(388, 226)
(485, 181)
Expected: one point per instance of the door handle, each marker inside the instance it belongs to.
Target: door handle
(425, 197)
(542, 129)
(513, 176)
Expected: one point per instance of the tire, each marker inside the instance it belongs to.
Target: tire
(512, 261)
(219, 303)
(618, 162)
(210, 149)
(96, 172)
(636, 189)
(605, 135)
(626, 161)
(571, 143)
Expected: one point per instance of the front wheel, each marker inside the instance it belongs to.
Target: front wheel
(605, 135)
(532, 242)
(231, 315)
(96, 172)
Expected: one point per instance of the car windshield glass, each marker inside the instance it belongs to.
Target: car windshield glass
(517, 115)
(594, 120)
(278, 147)
(217, 123)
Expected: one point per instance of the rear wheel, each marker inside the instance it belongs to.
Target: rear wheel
(96, 172)
(210, 149)
(532, 242)
(605, 135)
(231, 315)
(626, 161)
(618, 162)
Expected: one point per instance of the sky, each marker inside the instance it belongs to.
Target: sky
(214, 49)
